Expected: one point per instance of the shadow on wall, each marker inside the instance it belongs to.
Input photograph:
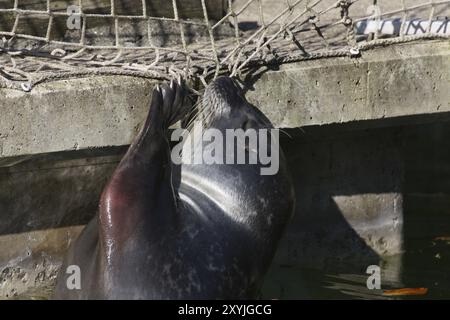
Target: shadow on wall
(55, 190)
(348, 194)
(364, 193)
(427, 207)
(348, 211)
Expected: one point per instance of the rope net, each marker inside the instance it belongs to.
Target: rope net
(44, 40)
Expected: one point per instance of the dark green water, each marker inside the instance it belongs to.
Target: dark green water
(425, 265)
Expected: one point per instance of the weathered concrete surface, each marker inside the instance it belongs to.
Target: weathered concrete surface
(395, 81)
(72, 114)
(29, 262)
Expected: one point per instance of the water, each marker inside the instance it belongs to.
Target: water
(425, 265)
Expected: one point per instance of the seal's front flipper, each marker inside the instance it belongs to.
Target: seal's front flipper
(140, 193)
(177, 104)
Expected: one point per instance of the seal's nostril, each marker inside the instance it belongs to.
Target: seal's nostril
(244, 125)
(249, 124)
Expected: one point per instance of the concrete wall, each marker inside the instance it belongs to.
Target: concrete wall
(71, 115)
(385, 83)
(363, 194)
(349, 196)
(390, 84)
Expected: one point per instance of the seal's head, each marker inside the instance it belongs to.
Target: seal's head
(225, 107)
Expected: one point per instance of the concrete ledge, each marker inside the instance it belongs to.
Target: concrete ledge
(72, 114)
(395, 81)
(392, 82)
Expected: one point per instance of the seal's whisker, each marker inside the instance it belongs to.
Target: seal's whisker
(192, 120)
(192, 116)
(208, 118)
(284, 132)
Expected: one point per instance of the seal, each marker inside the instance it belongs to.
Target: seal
(186, 231)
